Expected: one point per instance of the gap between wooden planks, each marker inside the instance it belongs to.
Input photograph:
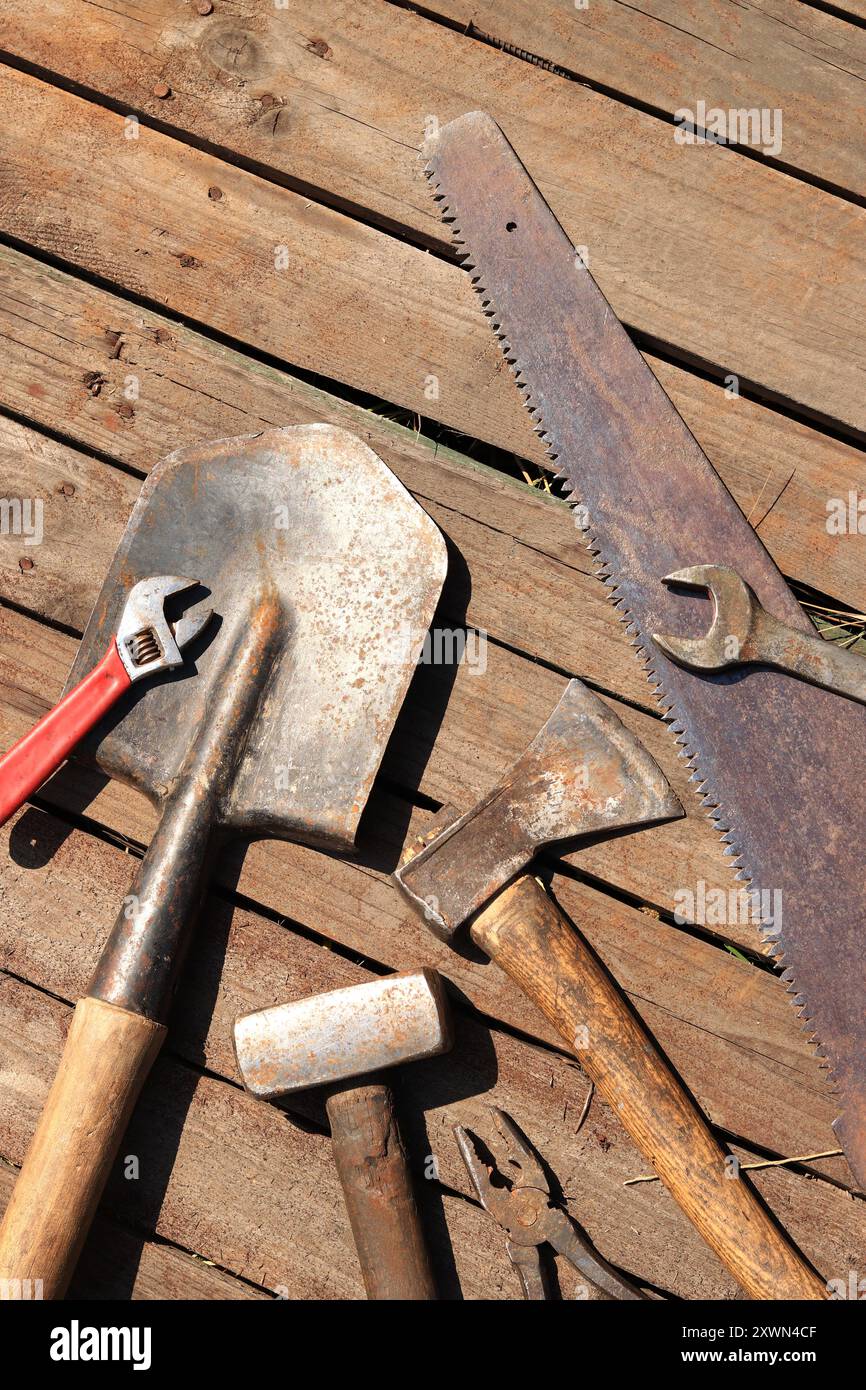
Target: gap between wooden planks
(118, 1263)
(241, 961)
(786, 261)
(727, 1026)
(452, 741)
(70, 355)
(777, 55)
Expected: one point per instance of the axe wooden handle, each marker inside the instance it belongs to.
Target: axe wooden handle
(107, 1056)
(377, 1187)
(524, 932)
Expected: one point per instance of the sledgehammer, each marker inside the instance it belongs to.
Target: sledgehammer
(340, 1040)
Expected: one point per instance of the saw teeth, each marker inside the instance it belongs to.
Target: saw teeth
(771, 943)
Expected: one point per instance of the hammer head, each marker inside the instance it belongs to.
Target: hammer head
(350, 1032)
(583, 773)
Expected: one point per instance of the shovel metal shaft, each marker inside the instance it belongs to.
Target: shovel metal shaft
(139, 965)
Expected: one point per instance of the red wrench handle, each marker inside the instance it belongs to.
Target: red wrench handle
(31, 760)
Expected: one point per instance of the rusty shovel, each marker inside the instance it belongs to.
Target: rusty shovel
(324, 575)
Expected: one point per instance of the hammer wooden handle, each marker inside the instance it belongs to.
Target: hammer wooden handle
(107, 1056)
(374, 1174)
(524, 932)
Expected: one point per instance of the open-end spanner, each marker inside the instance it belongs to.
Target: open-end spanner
(743, 632)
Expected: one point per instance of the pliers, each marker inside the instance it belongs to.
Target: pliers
(524, 1210)
(145, 642)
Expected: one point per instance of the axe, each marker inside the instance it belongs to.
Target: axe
(585, 774)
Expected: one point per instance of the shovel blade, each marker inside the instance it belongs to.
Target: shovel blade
(308, 518)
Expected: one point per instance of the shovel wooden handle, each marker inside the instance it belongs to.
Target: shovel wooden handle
(107, 1056)
(524, 932)
(377, 1187)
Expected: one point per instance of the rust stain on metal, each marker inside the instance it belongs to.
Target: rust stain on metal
(94, 382)
(324, 574)
(346, 1033)
(584, 773)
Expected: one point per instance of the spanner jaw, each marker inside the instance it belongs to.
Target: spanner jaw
(726, 642)
(146, 641)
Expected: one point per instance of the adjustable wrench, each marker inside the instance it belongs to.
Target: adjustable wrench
(742, 631)
(145, 642)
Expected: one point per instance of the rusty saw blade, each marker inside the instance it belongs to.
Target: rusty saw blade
(776, 762)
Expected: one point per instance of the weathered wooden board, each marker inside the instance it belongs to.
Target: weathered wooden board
(242, 961)
(117, 1263)
(714, 1015)
(71, 356)
(451, 754)
(787, 259)
(188, 229)
(776, 54)
(253, 1189)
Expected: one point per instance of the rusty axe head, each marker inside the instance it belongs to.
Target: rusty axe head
(584, 773)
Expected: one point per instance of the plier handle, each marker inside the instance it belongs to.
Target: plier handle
(524, 1210)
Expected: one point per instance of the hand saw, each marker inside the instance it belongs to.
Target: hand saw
(774, 761)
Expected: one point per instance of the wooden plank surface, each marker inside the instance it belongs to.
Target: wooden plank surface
(714, 1014)
(773, 54)
(295, 109)
(778, 309)
(70, 355)
(242, 961)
